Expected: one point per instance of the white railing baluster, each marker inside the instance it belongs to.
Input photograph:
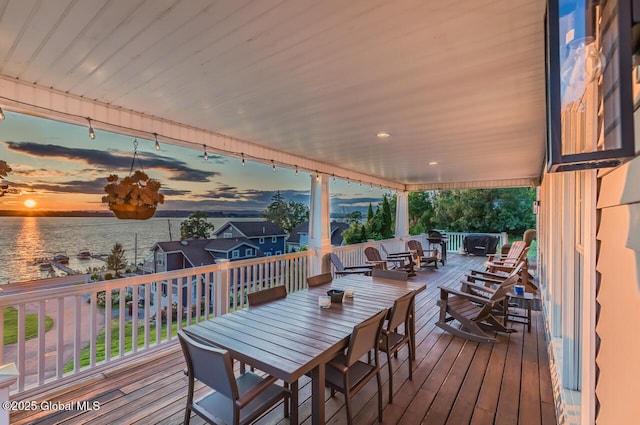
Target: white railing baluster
(108, 306)
(134, 318)
(158, 312)
(147, 314)
(77, 318)
(2, 335)
(60, 338)
(93, 327)
(121, 321)
(42, 313)
(20, 353)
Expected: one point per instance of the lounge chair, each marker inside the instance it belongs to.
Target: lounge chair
(476, 314)
(341, 270)
(427, 257)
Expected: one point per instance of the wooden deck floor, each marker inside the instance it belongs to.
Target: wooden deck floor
(455, 381)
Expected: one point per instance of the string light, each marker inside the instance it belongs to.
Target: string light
(126, 129)
(296, 170)
(317, 176)
(92, 134)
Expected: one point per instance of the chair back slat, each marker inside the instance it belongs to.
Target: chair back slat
(209, 365)
(372, 254)
(266, 295)
(416, 246)
(390, 274)
(365, 337)
(399, 313)
(319, 279)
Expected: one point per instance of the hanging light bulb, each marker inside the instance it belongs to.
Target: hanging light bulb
(1, 114)
(242, 155)
(92, 134)
(370, 187)
(334, 177)
(273, 165)
(296, 170)
(157, 144)
(317, 176)
(206, 155)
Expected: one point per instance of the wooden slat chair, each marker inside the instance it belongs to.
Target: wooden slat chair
(233, 400)
(266, 295)
(515, 251)
(427, 257)
(341, 270)
(390, 263)
(476, 314)
(506, 267)
(391, 340)
(319, 279)
(347, 374)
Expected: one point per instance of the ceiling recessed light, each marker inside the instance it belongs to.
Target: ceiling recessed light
(383, 135)
(433, 163)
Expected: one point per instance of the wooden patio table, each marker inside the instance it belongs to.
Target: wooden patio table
(291, 337)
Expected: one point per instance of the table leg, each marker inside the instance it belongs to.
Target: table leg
(317, 395)
(293, 405)
(412, 329)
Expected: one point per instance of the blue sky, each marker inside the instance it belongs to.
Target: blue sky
(60, 168)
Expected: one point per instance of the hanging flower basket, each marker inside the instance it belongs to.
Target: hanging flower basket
(134, 197)
(130, 212)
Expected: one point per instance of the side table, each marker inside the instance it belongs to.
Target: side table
(519, 318)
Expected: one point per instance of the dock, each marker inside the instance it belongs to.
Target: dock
(68, 270)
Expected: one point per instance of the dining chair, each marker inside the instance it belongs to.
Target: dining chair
(347, 374)
(266, 295)
(236, 401)
(391, 340)
(319, 279)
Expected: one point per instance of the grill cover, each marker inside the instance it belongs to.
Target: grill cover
(479, 244)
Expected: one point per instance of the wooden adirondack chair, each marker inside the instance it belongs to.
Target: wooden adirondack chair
(341, 270)
(476, 314)
(428, 257)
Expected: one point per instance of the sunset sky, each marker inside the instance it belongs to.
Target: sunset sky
(56, 165)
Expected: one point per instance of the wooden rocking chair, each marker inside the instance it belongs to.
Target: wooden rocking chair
(476, 314)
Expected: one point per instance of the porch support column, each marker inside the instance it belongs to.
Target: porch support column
(319, 222)
(402, 215)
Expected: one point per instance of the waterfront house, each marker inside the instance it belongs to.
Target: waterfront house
(299, 236)
(267, 236)
(405, 95)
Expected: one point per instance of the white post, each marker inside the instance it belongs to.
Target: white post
(221, 291)
(319, 222)
(402, 217)
(8, 376)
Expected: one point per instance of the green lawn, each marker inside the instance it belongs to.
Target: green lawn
(115, 341)
(31, 325)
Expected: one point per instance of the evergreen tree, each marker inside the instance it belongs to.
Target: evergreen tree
(369, 212)
(386, 225)
(116, 260)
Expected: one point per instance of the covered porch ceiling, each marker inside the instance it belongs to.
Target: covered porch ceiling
(303, 82)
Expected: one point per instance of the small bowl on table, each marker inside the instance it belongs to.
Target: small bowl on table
(336, 295)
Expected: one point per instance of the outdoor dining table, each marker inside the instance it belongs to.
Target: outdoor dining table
(293, 336)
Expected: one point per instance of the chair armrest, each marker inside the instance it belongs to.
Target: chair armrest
(480, 288)
(486, 280)
(471, 297)
(361, 266)
(256, 391)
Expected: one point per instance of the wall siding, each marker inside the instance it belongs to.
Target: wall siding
(618, 357)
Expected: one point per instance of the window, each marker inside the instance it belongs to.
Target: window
(261, 240)
(160, 259)
(248, 252)
(274, 239)
(235, 253)
(267, 254)
(278, 252)
(228, 234)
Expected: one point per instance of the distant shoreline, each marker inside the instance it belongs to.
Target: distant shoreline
(159, 214)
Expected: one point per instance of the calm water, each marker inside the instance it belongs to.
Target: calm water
(24, 238)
